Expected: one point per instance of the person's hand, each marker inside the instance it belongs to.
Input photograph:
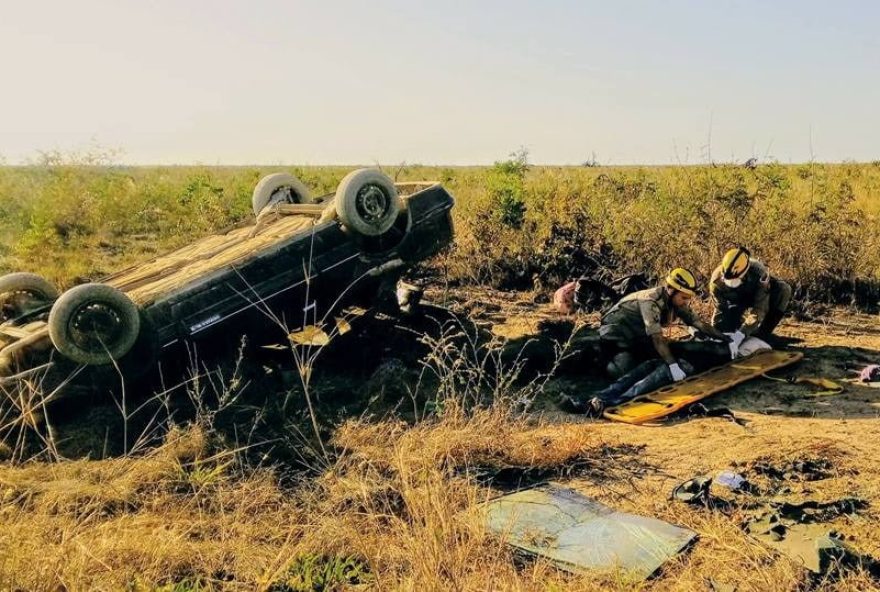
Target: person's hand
(736, 340)
(677, 373)
(734, 350)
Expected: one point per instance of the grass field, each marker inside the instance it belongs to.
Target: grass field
(518, 226)
(390, 504)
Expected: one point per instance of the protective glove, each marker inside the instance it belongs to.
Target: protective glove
(734, 350)
(676, 372)
(736, 340)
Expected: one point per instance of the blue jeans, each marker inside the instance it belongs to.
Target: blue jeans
(644, 378)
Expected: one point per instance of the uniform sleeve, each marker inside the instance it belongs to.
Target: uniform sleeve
(717, 289)
(651, 317)
(762, 301)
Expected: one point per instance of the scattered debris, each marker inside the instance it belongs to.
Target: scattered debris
(732, 481)
(591, 293)
(818, 548)
(796, 529)
(409, 296)
(811, 511)
(870, 373)
(828, 386)
(699, 410)
(807, 469)
(563, 298)
(579, 534)
(310, 335)
(693, 491)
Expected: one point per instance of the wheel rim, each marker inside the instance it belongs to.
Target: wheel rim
(372, 204)
(94, 327)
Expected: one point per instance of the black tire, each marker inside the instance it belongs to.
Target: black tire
(94, 324)
(367, 202)
(20, 292)
(279, 188)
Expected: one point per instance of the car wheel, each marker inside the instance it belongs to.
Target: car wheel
(94, 324)
(279, 188)
(21, 292)
(367, 202)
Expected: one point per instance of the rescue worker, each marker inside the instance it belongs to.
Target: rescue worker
(631, 337)
(632, 330)
(741, 283)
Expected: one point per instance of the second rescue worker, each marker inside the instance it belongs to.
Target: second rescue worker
(741, 283)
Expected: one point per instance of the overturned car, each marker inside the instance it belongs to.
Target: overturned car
(303, 257)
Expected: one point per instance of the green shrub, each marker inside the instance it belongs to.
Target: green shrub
(517, 225)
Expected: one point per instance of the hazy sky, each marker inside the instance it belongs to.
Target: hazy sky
(442, 82)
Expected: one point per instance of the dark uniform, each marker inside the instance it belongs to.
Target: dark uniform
(767, 296)
(631, 323)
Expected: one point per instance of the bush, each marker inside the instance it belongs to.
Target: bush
(517, 225)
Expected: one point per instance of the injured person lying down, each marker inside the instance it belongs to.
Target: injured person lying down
(641, 359)
(652, 375)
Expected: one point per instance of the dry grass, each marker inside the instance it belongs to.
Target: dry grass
(398, 499)
(816, 225)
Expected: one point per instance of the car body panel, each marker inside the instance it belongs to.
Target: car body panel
(287, 262)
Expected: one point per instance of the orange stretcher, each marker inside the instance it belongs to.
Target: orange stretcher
(669, 399)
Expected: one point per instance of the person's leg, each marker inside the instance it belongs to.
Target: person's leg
(620, 364)
(619, 358)
(656, 379)
(780, 299)
(612, 392)
(624, 370)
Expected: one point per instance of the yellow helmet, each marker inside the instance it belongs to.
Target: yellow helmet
(682, 280)
(735, 263)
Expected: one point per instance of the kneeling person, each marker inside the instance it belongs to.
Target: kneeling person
(633, 329)
(741, 283)
(632, 332)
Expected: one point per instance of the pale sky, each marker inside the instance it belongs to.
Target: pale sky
(309, 82)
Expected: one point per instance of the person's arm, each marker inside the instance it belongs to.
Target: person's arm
(689, 317)
(651, 317)
(661, 344)
(716, 286)
(710, 331)
(759, 307)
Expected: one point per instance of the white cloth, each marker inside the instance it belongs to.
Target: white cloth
(752, 345)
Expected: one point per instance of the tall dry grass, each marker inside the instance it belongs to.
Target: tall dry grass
(517, 225)
(393, 505)
(400, 502)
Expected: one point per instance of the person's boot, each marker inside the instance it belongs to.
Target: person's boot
(592, 407)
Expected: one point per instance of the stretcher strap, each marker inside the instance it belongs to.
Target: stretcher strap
(829, 386)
